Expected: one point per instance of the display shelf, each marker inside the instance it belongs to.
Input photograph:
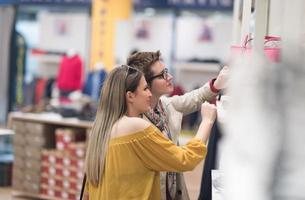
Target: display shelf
(41, 143)
(48, 58)
(194, 74)
(6, 132)
(45, 119)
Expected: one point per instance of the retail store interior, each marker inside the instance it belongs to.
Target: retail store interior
(56, 54)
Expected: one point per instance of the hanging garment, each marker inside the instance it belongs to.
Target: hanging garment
(70, 74)
(94, 84)
(17, 71)
(40, 89)
(209, 164)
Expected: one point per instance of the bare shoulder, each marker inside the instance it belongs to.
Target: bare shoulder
(129, 125)
(136, 124)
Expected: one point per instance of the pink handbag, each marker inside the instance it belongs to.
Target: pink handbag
(271, 49)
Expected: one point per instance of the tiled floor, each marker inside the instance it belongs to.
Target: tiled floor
(193, 181)
(192, 178)
(5, 194)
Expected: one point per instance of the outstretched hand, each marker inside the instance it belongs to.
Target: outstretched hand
(208, 112)
(221, 80)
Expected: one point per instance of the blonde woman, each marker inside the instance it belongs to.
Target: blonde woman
(126, 153)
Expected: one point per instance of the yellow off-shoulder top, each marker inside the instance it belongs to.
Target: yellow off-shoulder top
(133, 163)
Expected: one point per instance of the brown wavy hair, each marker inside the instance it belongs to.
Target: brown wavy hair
(143, 62)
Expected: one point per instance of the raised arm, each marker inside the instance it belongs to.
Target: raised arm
(160, 154)
(192, 100)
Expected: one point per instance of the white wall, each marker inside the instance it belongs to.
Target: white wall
(63, 31)
(189, 29)
(30, 31)
(159, 36)
(6, 22)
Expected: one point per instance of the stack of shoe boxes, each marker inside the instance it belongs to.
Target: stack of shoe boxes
(30, 139)
(62, 168)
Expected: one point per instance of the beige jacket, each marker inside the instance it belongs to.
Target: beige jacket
(176, 107)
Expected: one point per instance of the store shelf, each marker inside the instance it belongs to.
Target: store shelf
(6, 132)
(49, 154)
(194, 66)
(48, 58)
(194, 74)
(47, 119)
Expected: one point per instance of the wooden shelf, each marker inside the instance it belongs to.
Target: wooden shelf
(43, 128)
(43, 118)
(197, 67)
(192, 74)
(48, 58)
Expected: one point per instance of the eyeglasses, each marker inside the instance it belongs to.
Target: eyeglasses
(163, 74)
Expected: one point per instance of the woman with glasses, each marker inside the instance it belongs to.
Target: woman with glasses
(167, 113)
(125, 153)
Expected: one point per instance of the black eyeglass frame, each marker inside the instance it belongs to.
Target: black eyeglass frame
(163, 74)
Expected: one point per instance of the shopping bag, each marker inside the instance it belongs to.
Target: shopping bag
(271, 49)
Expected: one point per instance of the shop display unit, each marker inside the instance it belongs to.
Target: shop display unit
(49, 155)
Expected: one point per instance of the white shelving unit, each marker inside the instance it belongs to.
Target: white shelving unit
(191, 74)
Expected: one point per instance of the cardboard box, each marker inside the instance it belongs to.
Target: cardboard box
(31, 187)
(50, 156)
(36, 128)
(70, 162)
(46, 140)
(19, 139)
(62, 158)
(77, 150)
(32, 176)
(32, 164)
(64, 137)
(19, 126)
(19, 151)
(19, 162)
(33, 153)
(59, 193)
(18, 184)
(66, 183)
(18, 173)
(61, 171)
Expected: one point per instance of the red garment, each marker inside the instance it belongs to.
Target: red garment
(40, 89)
(178, 90)
(213, 89)
(70, 74)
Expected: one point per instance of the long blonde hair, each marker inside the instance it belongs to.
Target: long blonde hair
(112, 106)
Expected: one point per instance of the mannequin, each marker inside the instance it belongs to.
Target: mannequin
(95, 80)
(71, 52)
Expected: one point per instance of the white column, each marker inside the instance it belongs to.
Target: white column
(6, 22)
(261, 19)
(245, 25)
(237, 11)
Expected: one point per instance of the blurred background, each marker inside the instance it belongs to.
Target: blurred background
(55, 55)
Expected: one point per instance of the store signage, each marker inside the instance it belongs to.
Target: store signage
(8, 2)
(105, 14)
(54, 2)
(198, 4)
